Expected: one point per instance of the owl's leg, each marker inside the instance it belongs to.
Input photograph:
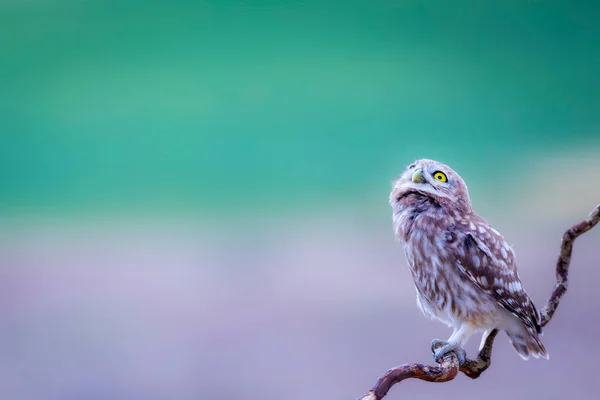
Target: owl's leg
(455, 344)
(484, 338)
(462, 334)
(438, 343)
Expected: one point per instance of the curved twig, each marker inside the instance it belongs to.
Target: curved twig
(449, 366)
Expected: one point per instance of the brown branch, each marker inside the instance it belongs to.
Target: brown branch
(449, 366)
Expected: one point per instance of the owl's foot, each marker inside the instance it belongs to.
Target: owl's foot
(440, 348)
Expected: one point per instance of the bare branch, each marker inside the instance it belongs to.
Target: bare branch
(564, 259)
(449, 366)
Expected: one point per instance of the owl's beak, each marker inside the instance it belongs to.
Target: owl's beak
(418, 177)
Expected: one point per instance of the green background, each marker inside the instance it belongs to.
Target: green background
(226, 105)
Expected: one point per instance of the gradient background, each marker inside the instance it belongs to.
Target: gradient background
(193, 194)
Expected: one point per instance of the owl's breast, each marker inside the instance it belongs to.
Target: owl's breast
(443, 290)
(427, 259)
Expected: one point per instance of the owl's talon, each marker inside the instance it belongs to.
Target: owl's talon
(437, 344)
(441, 348)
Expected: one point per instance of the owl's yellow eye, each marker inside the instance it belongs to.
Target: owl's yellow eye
(440, 176)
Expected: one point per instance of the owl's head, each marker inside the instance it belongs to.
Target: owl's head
(434, 180)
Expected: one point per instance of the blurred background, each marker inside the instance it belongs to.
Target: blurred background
(194, 194)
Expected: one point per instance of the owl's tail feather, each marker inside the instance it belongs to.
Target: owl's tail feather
(528, 343)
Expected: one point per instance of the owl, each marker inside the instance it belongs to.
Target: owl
(463, 270)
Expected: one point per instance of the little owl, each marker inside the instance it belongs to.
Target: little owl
(463, 269)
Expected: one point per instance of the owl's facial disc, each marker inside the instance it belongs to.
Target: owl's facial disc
(431, 179)
(421, 180)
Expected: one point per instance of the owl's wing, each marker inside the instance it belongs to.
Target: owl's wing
(487, 260)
